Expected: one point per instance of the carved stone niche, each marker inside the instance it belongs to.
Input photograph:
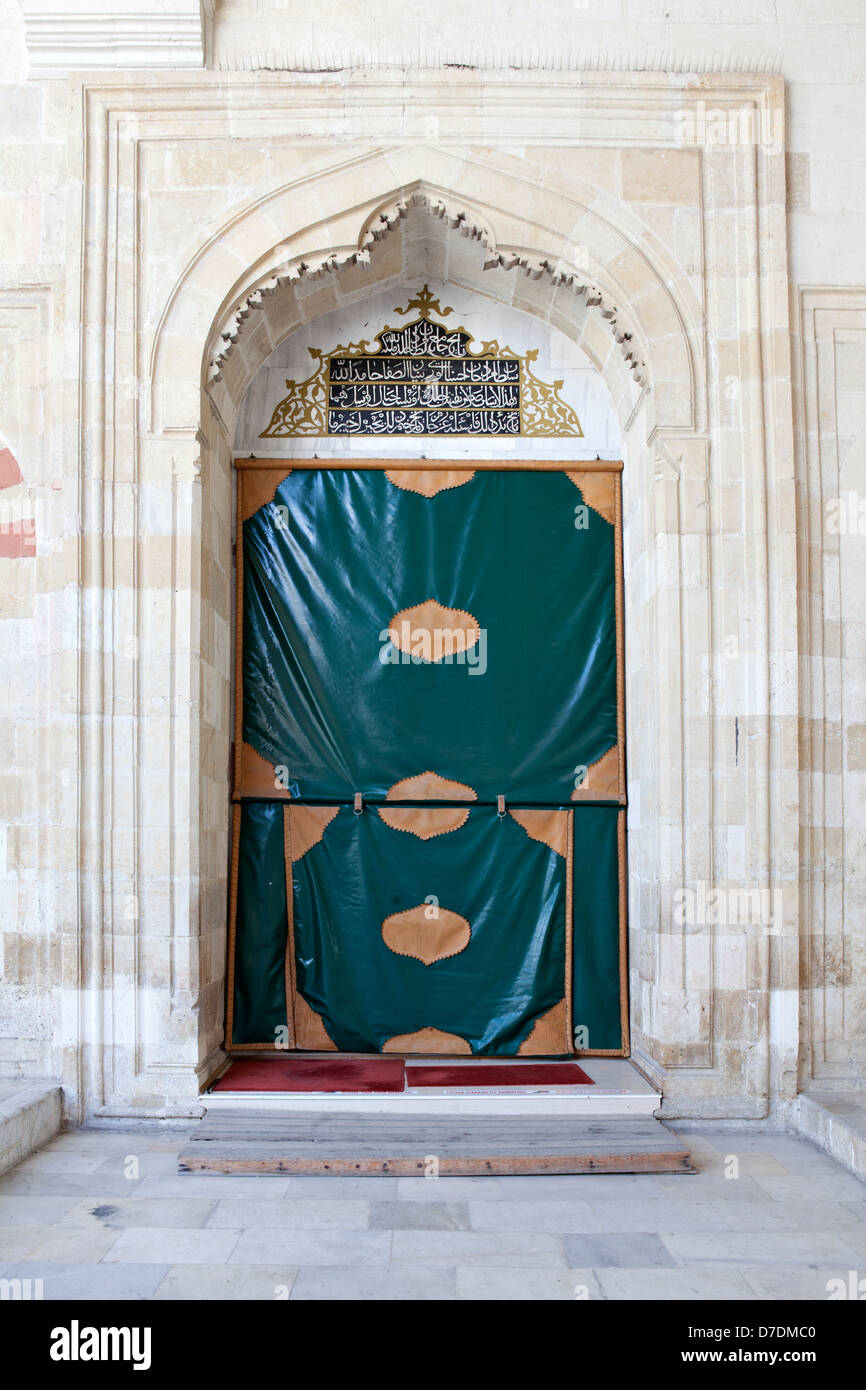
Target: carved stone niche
(602, 181)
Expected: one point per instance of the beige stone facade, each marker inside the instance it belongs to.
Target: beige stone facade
(694, 224)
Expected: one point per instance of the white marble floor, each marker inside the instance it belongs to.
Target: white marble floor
(104, 1214)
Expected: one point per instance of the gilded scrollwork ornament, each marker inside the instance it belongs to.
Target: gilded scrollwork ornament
(423, 378)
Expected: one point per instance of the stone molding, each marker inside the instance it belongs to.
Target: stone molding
(64, 36)
(382, 221)
(831, 535)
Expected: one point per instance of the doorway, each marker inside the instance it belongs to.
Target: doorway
(428, 829)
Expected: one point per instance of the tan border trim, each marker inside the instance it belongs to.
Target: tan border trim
(289, 972)
(569, 931)
(619, 605)
(404, 465)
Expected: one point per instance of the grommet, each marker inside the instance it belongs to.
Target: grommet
(358, 807)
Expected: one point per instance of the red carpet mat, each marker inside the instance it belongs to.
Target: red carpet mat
(313, 1074)
(517, 1074)
(387, 1074)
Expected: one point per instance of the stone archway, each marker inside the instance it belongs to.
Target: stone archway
(590, 252)
(299, 288)
(707, 455)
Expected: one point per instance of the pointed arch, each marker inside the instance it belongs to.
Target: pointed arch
(271, 267)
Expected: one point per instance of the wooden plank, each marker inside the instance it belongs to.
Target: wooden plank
(261, 1142)
(459, 1145)
(455, 464)
(466, 1146)
(501, 1165)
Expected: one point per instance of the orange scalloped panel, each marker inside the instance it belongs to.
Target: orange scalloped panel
(427, 482)
(429, 1040)
(432, 632)
(427, 933)
(424, 823)
(602, 778)
(598, 491)
(429, 786)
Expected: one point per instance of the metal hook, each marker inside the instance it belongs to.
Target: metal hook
(358, 807)
(500, 808)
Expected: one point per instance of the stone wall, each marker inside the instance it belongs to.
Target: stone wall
(153, 226)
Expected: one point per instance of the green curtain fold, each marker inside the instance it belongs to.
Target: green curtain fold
(524, 920)
(338, 554)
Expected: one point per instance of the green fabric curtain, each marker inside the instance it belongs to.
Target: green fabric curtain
(257, 968)
(598, 966)
(337, 554)
(510, 889)
(328, 565)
